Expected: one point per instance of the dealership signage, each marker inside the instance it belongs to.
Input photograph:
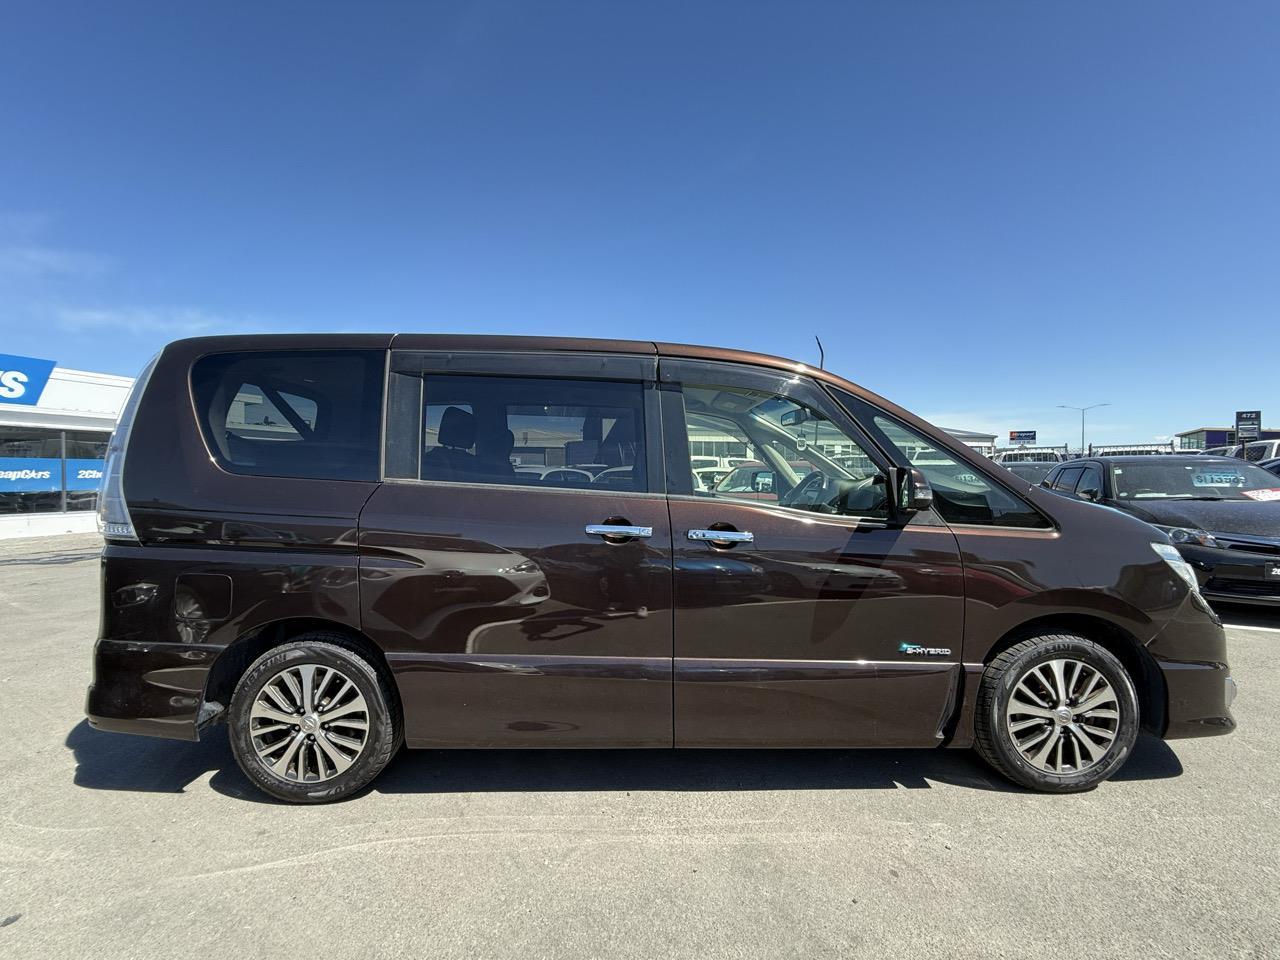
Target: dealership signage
(22, 379)
(44, 474)
(1022, 436)
(1248, 425)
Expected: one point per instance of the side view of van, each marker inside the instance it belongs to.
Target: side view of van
(336, 545)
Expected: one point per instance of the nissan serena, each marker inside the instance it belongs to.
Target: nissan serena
(335, 545)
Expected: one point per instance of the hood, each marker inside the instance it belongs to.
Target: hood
(1216, 516)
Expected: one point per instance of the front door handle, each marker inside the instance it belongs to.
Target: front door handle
(618, 531)
(723, 538)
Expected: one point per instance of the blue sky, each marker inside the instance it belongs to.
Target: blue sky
(984, 210)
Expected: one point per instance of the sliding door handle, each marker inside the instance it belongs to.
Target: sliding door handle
(618, 531)
(723, 538)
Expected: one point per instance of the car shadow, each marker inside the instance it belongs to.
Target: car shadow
(108, 761)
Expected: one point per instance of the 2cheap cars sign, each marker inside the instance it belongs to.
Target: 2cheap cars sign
(23, 379)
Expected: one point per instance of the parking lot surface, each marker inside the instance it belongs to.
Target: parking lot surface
(116, 846)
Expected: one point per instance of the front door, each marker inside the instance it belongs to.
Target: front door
(516, 562)
(803, 617)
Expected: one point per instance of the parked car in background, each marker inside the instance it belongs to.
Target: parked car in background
(1272, 465)
(1029, 456)
(373, 571)
(1230, 450)
(1032, 472)
(1260, 450)
(1222, 513)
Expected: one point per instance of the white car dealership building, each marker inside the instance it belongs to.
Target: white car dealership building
(54, 426)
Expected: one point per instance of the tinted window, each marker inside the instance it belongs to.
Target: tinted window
(961, 492)
(308, 414)
(1090, 481)
(797, 457)
(1066, 481)
(489, 429)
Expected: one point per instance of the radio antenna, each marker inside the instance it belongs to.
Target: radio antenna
(822, 355)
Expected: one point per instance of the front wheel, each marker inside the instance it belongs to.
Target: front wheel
(1056, 713)
(313, 720)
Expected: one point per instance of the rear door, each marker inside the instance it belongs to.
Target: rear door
(522, 608)
(804, 619)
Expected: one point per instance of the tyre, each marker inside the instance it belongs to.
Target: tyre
(1056, 713)
(313, 720)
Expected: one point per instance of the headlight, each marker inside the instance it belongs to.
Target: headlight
(1189, 535)
(1171, 556)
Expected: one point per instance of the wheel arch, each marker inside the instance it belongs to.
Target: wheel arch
(241, 653)
(1136, 659)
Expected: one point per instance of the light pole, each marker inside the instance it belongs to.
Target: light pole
(1067, 406)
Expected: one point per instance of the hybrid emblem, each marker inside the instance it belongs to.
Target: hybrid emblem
(915, 650)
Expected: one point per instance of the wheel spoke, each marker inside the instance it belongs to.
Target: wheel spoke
(1059, 682)
(1026, 724)
(290, 681)
(355, 706)
(275, 695)
(1027, 692)
(1054, 737)
(1106, 695)
(260, 711)
(282, 764)
(339, 759)
(1098, 715)
(270, 728)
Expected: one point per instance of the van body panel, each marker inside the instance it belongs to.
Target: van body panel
(505, 624)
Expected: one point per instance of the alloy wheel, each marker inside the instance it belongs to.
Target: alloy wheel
(1063, 716)
(309, 723)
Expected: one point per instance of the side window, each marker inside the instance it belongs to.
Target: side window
(1090, 482)
(313, 414)
(1066, 482)
(773, 449)
(510, 430)
(961, 493)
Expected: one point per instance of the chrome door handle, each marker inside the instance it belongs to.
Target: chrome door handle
(618, 530)
(723, 536)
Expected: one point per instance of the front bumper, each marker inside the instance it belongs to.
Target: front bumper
(1235, 576)
(153, 689)
(1191, 654)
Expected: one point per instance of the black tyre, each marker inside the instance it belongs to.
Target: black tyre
(313, 720)
(1056, 713)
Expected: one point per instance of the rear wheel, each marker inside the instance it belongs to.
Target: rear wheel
(313, 721)
(1056, 713)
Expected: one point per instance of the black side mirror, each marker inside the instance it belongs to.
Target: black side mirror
(912, 490)
(1093, 496)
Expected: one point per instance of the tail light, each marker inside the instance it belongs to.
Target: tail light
(114, 522)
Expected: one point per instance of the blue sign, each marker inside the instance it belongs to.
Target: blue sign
(22, 379)
(83, 474)
(1022, 436)
(30, 474)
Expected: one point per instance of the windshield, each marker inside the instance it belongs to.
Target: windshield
(1031, 472)
(1205, 479)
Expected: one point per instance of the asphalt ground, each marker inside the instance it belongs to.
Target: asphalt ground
(115, 846)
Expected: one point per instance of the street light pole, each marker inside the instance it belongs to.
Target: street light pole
(1067, 406)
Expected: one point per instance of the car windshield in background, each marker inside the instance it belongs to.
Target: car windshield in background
(1207, 479)
(1031, 472)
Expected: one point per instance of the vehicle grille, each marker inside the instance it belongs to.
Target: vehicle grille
(1235, 541)
(1242, 588)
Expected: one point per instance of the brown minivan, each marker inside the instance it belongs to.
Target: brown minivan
(338, 543)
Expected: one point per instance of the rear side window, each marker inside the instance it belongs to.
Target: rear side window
(529, 431)
(1066, 481)
(306, 414)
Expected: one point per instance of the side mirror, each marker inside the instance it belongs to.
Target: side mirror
(913, 491)
(793, 418)
(1093, 496)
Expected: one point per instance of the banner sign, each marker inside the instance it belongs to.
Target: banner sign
(1022, 436)
(83, 474)
(22, 379)
(30, 474)
(1248, 425)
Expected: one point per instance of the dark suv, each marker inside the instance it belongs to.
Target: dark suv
(336, 544)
